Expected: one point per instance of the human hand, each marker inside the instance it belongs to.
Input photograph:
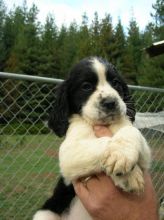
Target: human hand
(101, 131)
(105, 201)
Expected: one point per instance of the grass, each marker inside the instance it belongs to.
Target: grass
(28, 171)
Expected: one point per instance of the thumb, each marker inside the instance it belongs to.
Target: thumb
(102, 131)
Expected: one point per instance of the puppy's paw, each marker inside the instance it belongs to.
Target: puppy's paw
(135, 181)
(131, 182)
(118, 163)
(45, 215)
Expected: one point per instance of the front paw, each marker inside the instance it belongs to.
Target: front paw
(118, 163)
(135, 181)
(131, 182)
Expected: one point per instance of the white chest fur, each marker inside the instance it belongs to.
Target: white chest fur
(82, 153)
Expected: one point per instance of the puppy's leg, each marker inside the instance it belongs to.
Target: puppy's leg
(82, 158)
(55, 206)
(125, 151)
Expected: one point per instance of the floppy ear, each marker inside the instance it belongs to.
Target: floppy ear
(58, 119)
(131, 112)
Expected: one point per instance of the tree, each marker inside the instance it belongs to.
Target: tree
(15, 41)
(133, 52)
(106, 38)
(152, 69)
(49, 58)
(2, 46)
(119, 47)
(158, 20)
(84, 39)
(95, 35)
(26, 44)
(29, 47)
(68, 47)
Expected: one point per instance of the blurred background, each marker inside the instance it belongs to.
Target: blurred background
(34, 43)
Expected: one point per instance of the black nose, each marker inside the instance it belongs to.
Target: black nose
(108, 104)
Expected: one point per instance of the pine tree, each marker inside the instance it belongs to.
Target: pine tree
(84, 39)
(119, 48)
(152, 69)
(31, 60)
(48, 51)
(133, 52)
(62, 37)
(2, 46)
(158, 19)
(68, 44)
(95, 35)
(15, 41)
(106, 38)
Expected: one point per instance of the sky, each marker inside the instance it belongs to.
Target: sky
(65, 11)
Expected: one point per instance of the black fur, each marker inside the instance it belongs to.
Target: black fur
(61, 198)
(58, 120)
(71, 95)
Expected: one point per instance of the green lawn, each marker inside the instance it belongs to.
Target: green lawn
(28, 172)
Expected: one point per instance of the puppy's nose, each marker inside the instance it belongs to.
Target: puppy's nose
(109, 104)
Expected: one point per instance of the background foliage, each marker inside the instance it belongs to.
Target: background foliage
(27, 46)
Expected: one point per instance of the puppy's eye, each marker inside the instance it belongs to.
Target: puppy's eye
(86, 86)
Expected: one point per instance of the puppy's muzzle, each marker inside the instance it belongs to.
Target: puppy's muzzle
(108, 104)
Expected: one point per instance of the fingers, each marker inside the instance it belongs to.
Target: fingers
(81, 190)
(84, 187)
(102, 131)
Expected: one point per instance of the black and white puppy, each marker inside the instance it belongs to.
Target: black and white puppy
(94, 94)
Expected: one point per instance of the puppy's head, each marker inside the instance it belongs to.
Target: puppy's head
(95, 91)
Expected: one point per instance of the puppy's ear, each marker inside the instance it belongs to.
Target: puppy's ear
(58, 119)
(131, 112)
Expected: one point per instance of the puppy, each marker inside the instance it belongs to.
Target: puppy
(94, 94)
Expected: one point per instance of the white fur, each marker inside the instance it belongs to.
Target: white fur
(77, 212)
(103, 90)
(100, 69)
(82, 154)
(46, 215)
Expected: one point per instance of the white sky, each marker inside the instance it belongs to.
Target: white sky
(66, 11)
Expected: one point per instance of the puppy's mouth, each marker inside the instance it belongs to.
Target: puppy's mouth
(105, 118)
(103, 115)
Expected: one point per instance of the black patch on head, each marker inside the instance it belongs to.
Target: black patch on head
(117, 82)
(83, 81)
(71, 95)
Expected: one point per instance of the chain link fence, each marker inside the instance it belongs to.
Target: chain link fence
(29, 151)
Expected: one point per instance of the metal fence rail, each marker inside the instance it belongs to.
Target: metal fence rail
(29, 151)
